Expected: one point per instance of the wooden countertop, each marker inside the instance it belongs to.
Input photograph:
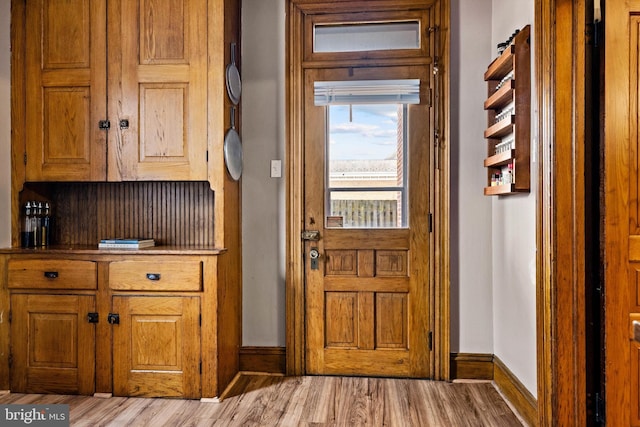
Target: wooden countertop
(93, 250)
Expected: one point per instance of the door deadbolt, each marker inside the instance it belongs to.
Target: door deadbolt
(313, 235)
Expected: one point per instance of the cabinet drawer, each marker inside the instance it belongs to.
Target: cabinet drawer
(155, 275)
(52, 274)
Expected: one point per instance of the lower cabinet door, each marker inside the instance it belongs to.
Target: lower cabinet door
(156, 346)
(53, 344)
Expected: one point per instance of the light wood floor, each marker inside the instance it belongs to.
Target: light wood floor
(261, 400)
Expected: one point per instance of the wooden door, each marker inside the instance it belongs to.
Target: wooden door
(158, 90)
(66, 81)
(622, 213)
(368, 286)
(53, 345)
(156, 346)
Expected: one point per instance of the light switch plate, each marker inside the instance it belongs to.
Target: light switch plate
(276, 168)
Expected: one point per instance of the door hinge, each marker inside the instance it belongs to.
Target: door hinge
(598, 412)
(430, 98)
(201, 367)
(10, 316)
(25, 158)
(430, 222)
(206, 155)
(430, 338)
(200, 319)
(10, 360)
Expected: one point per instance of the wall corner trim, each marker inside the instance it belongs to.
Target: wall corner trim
(516, 393)
(471, 366)
(270, 360)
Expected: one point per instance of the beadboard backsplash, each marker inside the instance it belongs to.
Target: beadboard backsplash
(173, 213)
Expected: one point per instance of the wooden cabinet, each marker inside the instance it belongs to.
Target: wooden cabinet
(116, 90)
(130, 92)
(508, 108)
(144, 324)
(158, 342)
(52, 344)
(157, 337)
(53, 339)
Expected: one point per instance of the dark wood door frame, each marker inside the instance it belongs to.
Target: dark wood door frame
(561, 70)
(295, 289)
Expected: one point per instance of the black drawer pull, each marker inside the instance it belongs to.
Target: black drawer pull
(51, 274)
(153, 276)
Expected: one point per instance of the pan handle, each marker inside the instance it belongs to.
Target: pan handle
(233, 117)
(233, 53)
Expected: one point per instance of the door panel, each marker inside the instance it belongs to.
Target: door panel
(59, 354)
(342, 322)
(369, 293)
(66, 80)
(391, 320)
(158, 71)
(156, 347)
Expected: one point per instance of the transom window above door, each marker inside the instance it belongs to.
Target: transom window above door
(373, 36)
(366, 36)
(366, 151)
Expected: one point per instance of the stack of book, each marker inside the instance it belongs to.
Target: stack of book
(131, 243)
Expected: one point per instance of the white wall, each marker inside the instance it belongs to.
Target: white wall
(5, 125)
(263, 198)
(471, 238)
(514, 238)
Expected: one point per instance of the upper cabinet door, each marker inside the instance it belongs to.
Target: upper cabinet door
(158, 90)
(66, 86)
(151, 86)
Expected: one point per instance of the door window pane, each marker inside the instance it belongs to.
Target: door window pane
(366, 175)
(366, 36)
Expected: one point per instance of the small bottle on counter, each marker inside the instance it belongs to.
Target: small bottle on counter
(26, 235)
(45, 225)
(36, 213)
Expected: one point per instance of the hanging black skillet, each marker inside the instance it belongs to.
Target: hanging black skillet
(234, 84)
(233, 149)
